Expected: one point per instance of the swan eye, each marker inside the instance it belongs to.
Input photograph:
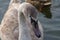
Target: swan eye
(35, 27)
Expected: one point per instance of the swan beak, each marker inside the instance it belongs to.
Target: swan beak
(35, 27)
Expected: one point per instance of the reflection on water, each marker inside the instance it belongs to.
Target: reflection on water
(51, 26)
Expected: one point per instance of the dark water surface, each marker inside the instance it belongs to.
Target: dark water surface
(51, 26)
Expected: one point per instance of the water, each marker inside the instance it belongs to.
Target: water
(51, 26)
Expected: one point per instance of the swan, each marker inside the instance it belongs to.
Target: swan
(9, 25)
(11, 29)
(29, 26)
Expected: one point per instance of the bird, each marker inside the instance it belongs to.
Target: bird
(13, 24)
(30, 27)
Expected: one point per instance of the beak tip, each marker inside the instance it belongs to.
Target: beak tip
(38, 35)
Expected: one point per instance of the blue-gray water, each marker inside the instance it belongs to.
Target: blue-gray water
(51, 26)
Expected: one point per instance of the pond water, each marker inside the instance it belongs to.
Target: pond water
(51, 26)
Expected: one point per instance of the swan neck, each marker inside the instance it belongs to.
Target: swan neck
(23, 29)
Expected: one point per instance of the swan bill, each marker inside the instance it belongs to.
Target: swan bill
(35, 27)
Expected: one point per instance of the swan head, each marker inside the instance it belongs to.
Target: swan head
(30, 13)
